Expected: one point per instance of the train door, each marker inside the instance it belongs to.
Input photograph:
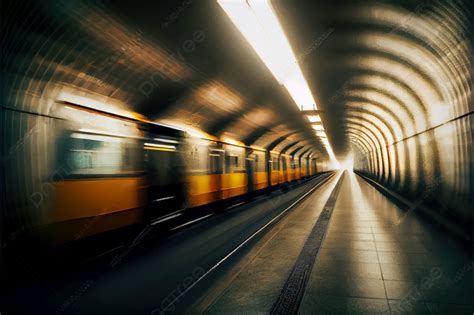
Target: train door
(290, 168)
(302, 167)
(234, 180)
(284, 168)
(164, 172)
(281, 178)
(250, 167)
(296, 168)
(216, 170)
(314, 166)
(260, 174)
(269, 168)
(166, 175)
(226, 182)
(275, 169)
(310, 171)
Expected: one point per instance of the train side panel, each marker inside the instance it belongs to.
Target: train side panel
(275, 169)
(234, 179)
(257, 167)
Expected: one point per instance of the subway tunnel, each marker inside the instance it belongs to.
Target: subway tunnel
(231, 156)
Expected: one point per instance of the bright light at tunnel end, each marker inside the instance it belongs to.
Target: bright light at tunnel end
(347, 163)
(259, 24)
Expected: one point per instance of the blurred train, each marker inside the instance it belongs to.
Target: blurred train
(109, 171)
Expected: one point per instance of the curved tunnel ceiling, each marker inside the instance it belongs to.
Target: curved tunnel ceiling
(192, 69)
(381, 72)
(388, 70)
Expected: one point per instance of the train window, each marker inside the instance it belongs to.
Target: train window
(231, 163)
(259, 162)
(197, 158)
(275, 164)
(164, 167)
(235, 160)
(96, 154)
(283, 163)
(216, 161)
(133, 157)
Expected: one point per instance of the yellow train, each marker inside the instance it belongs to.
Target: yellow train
(111, 171)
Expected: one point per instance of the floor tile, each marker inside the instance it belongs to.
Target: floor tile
(327, 304)
(354, 236)
(349, 255)
(245, 301)
(347, 269)
(338, 243)
(408, 307)
(397, 246)
(349, 229)
(403, 258)
(404, 272)
(281, 249)
(404, 290)
(350, 287)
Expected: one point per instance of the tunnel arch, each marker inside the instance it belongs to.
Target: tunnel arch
(393, 152)
(383, 137)
(355, 136)
(278, 140)
(392, 121)
(288, 146)
(259, 132)
(413, 54)
(372, 138)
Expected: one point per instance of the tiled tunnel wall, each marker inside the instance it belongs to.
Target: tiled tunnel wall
(416, 135)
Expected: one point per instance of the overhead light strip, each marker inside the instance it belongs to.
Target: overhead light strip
(258, 23)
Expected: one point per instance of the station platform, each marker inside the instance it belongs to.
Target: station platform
(332, 244)
(374, 258)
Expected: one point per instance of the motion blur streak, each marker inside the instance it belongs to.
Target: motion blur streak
(89, 93)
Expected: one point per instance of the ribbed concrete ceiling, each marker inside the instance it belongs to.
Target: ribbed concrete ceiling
(383, 71)
(380, 71)
(177, 63)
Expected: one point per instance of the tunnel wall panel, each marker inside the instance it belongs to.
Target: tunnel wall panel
(439, 170)
(420, 79)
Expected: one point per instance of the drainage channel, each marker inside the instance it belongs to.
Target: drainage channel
(292, 293)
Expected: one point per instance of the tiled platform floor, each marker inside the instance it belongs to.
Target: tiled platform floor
(375, 259)
(379, 259)
(265, 269)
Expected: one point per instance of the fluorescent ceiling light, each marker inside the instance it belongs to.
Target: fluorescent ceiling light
(165, 140)
(162, 146)
(314, 118)
(318, 127)
(259, 24)
(95, 137)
